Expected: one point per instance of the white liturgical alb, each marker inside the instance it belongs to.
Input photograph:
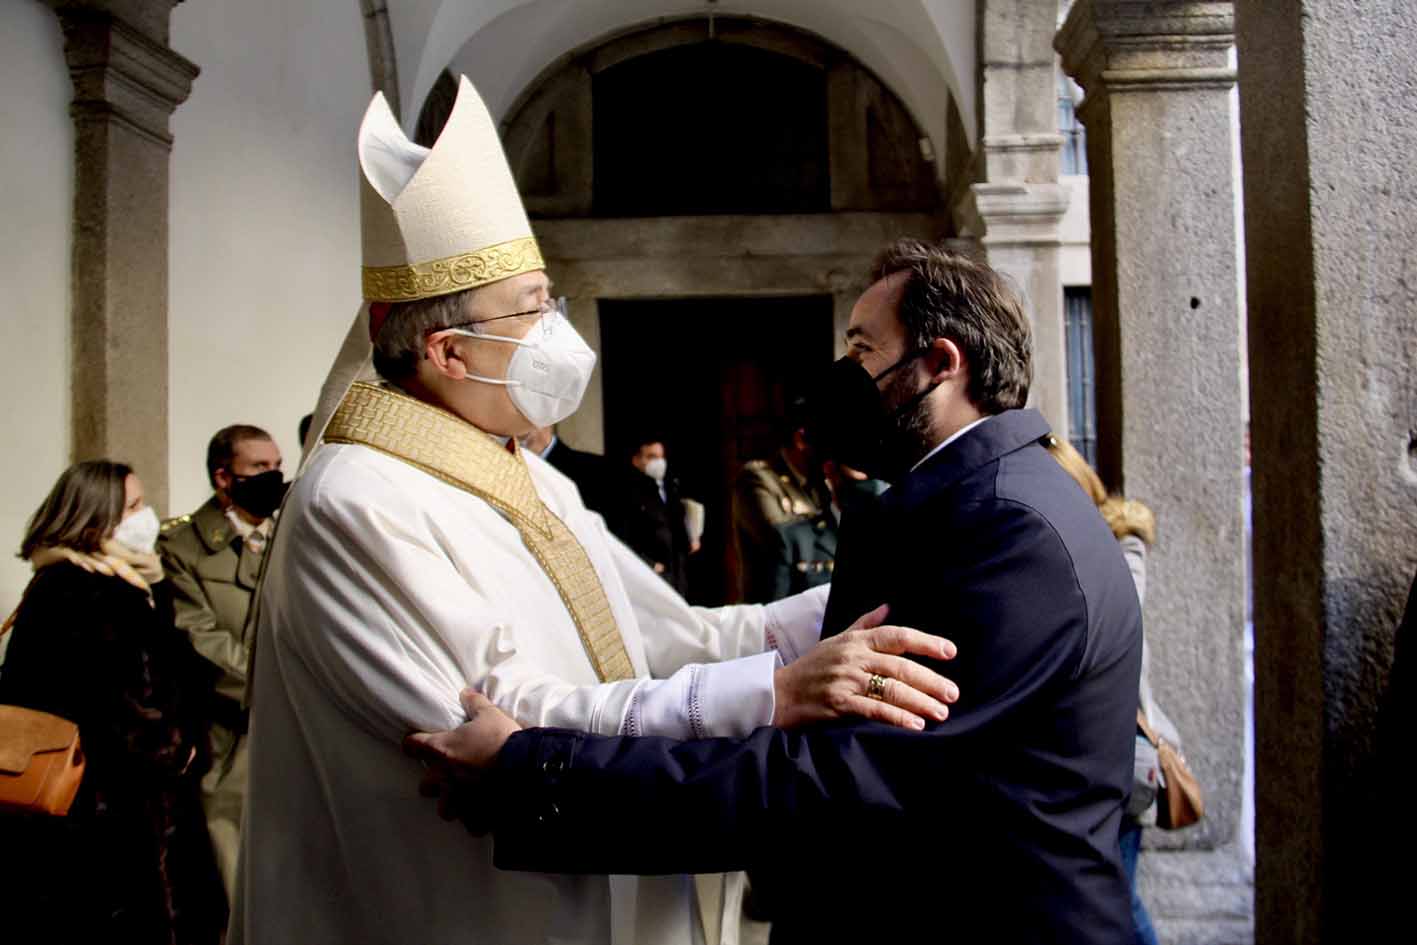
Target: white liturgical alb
(387, 593)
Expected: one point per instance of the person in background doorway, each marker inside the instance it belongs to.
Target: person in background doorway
(586, 470)
(770, 497)
(93, 643)
(648, 514)
(213, 557)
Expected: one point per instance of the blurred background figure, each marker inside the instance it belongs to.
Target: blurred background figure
(213, 559)
(647, 513)
(93, 642)
(1135, 529)
(803, 552)
(587, 470)
(778, 501)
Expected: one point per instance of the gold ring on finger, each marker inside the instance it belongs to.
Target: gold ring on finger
(876, 687)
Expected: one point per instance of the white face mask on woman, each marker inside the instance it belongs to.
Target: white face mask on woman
(138, 532)
(550, 370)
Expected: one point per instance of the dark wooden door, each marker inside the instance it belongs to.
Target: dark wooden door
(712, 378)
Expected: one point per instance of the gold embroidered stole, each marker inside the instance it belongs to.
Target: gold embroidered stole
(459, 454)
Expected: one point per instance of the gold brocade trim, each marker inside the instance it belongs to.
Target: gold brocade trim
(459, 454)
(453, 274)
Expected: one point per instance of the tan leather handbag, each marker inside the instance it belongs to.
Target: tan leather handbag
(41, 763)
(1179, 801)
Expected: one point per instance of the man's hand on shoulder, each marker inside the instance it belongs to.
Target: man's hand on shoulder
(864, 672)
(456, 761)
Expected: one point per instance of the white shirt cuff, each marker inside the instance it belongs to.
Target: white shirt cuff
(706, 700)
(793, 625)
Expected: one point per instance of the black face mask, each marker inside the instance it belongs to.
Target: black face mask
(851, 424)
(260, 494)
(853, 494)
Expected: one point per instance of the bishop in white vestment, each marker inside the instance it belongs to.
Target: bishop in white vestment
(418, 555)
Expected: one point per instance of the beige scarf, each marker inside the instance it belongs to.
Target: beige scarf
(114, 560)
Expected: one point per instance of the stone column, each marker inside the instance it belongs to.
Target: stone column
(127, 82)
(1170, 396)
(1019, 223)
(1016, 208)
(379, 39)
(1327, 137)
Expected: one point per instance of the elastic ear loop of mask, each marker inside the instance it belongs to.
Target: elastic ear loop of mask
(500, 382)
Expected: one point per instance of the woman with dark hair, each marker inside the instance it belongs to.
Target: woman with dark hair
(93, 642)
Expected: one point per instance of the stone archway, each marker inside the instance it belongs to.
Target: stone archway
(887, 189)
(767, 192)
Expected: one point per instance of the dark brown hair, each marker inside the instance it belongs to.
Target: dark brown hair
(222, 449)
(951, 296)
(84, 506)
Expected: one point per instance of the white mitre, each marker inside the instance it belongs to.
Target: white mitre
(434, 221)
(441, 220)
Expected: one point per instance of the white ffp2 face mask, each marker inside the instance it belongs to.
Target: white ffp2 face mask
(546, 378)
(656, 468)
(138, 532)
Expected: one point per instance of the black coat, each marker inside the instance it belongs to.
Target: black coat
(132, 861)
(653, 527)
(586, 470)
(999, 824)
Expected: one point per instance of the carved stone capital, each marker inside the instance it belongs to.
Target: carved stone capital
(149, 17)
(1013, 214)
(121, 72)
(1128, 45)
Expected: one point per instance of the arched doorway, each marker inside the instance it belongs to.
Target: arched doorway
(709, 198)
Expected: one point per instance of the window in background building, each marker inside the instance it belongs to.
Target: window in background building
(1082, 402)
(1074, 135)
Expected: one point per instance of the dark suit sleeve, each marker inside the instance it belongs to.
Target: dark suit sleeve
(626, 805)
(576, 803)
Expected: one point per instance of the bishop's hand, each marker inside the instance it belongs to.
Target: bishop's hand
(863, 671)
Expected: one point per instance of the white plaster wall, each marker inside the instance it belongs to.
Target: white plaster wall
(265, 219)
(36, 202)
(1075, 231)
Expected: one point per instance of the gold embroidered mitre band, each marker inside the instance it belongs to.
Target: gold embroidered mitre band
(454, 274)
(459, 454)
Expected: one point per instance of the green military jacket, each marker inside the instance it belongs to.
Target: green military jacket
(805, 555)
(767, 493)
(213, 574)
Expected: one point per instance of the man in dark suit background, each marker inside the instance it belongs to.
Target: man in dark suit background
(646, 511)
(588, 471)
(999, 824)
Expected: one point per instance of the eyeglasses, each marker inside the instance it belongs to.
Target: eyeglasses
(538, 332)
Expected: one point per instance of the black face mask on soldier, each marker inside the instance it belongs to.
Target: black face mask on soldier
(853, 424)
(259, 494)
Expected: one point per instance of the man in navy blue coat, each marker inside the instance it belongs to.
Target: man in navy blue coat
(999, 824)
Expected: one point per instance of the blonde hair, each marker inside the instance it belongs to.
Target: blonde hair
(1077, 467)
(1124, 516)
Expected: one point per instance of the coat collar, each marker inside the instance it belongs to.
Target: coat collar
(998, 436)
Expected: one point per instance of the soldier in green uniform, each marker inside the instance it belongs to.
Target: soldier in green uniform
(212, 558)
(769, 493)
(805, 554)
